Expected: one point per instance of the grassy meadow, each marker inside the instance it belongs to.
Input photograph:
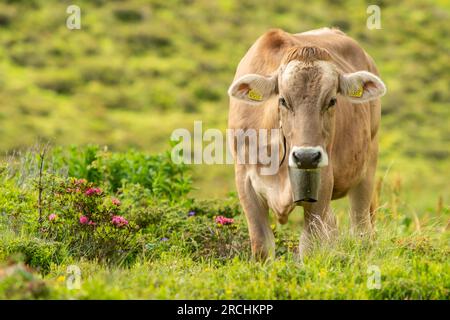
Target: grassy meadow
(107, 98)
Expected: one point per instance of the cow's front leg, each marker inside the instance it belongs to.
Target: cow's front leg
(320, 222)
(257, 215)
(361, 196)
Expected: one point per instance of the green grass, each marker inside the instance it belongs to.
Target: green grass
(412, 267)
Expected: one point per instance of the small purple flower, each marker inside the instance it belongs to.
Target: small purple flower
(191, 213)
(164, 239)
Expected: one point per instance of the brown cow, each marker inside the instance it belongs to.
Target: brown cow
(322, 90)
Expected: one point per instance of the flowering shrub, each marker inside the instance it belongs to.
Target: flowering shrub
(117, 211)
(89, 220)
(189, 226)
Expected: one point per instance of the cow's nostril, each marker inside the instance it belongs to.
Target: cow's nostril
(316, 156)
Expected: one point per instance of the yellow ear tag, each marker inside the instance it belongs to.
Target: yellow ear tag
(357, 92)
(254, 95)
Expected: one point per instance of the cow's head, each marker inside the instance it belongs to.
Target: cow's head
(308, 85)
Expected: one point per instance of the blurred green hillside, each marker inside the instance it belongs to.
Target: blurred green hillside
(137, 70)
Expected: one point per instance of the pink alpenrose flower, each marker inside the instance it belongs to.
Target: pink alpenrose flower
(224, 221)
(80, 181)
(119, 221)
(84, 220)
(115, 201)
(52, 217)
(92, 191)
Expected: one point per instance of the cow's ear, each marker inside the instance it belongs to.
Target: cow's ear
(254, 88)
(361, 86)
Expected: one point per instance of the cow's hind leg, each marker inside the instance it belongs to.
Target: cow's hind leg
(257, 215)
(360, 202)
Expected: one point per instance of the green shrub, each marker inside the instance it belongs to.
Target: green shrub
(195, 233)
(35, 252)
(61, 82)
(7, 15)
(17, 207)
(141, 40)
(157, 173)
(128, 14)
(187, 224)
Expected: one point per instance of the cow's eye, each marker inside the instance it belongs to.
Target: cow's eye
(282, 102)
(332, 102)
